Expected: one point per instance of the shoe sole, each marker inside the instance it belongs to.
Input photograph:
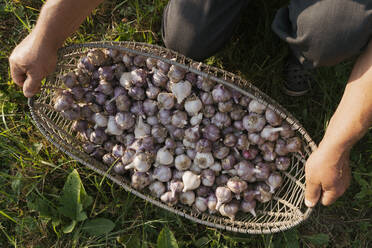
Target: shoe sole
(294, 93)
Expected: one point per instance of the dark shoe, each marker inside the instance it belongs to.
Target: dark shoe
(298, 79)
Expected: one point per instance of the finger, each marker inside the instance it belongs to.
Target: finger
(312, 194)
(329, 197)
(31, 85)
(18, 75)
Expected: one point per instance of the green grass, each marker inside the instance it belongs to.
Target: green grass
(31, 168)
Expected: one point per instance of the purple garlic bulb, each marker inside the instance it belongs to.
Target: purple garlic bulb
(187, 198)
(254, 122)
(274, 181)
(212, 203)
(182, 162)
(162, 173)
(201, 204)
(273, 118)
(256, 107)
(270, 133)
(211, 132)
(223, 195)
(207, 177)
(229, 209)
(168, 198)
(175, 186)
(176, 74)
(157, 189)
(248, 207)
(140, 180)
(237, 186)
(220, 94)
(262, 171)
(282, 163)
(294, 144)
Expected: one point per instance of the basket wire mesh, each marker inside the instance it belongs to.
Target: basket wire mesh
(284, 211)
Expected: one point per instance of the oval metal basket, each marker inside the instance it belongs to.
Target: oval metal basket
(285, 210)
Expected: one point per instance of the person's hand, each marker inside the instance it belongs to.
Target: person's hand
(327, 175)
(30, 62)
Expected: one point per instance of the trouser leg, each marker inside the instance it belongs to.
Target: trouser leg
(199, 28)
(324, 32)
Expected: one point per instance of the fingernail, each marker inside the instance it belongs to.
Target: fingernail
(309, 203)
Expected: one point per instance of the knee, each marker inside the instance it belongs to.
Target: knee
(189, 44)
(329, 32)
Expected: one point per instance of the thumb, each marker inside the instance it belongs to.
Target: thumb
(312, 194)
(31, 85)
(18, 75)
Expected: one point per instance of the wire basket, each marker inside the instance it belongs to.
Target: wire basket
(284, 211)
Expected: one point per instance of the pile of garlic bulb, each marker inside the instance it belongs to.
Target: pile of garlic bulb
(181, 137)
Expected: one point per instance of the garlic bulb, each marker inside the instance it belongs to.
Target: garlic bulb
(282, 163)
(264, 194)
(164, 156)
(212, 203)
(237, 186)
(187, 198)
(175, 186)
(181, 90)
(203, 160)
(157, 188)
(168, 198)
(112, 127)
(270, 133)
(141, 162)
(190, 180)
(196, 119)
(254, 122)
(274, 181)
(162, 173)
(165, 100)
(118, 150)
(124, 120)
(262, 171)
(207, 177)
(195, 169)
(193, 105)
(203, 191)
(223, 195)
(140, 180)
(126, 79)
(216, 167)
(100, 120)
(182, 162)
(201, 204)
(294, 144)
(256, 107)
(248, 207)
(229, 209)
(142, 129)
(273, 118)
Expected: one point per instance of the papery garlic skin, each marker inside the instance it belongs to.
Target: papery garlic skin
(182, 162)
(190, 180)
(164, 156)
(187, 198)
(157, 188)
(204, 160)
(181, 90)
(193, 106)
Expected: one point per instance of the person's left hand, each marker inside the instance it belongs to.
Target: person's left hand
(327, 175)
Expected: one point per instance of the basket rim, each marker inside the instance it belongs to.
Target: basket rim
(260, 96)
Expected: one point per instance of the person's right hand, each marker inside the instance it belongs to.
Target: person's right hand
(30, 62)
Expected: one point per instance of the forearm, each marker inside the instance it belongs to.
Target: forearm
(58, 19)
(353, 116)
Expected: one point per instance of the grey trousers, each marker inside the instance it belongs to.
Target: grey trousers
(319, 32)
